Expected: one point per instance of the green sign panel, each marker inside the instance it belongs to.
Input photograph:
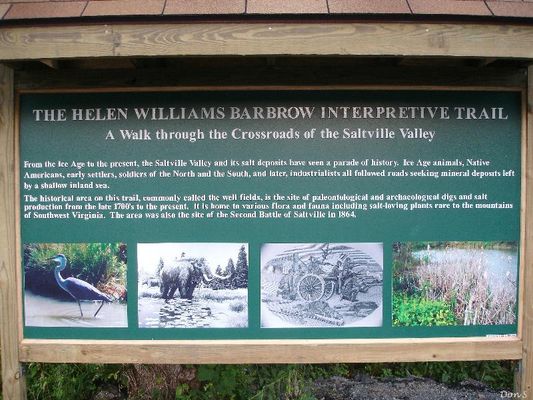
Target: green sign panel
(270, 214)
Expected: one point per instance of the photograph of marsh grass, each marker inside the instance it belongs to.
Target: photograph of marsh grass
(454, 283)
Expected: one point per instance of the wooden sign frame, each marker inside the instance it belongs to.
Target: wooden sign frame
(16, 350)
(268, 351)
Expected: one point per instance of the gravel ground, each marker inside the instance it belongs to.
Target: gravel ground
(365, 387)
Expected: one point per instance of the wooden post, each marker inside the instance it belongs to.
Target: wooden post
(12, 379)
(525, 384)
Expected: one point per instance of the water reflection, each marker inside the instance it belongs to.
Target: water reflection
(501, 265)
(175, 313)
(226, 308)
(50, 312)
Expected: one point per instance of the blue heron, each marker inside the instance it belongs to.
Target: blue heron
(78, 289)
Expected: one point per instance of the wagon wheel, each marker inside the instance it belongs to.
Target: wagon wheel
(329, 289)
(311, 287)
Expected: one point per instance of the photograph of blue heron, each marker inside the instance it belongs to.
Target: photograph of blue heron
(68, 284)
(78, 289)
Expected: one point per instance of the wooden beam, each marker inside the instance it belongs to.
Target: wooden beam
(267, 39)
(13, 386)
(55, 42)
(525, 385)
(270, 351)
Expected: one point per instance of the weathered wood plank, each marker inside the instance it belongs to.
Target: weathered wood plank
(271, 351)
(269, 39)
(389, 39)
(526, 373)
(12, 381)
(56, 42)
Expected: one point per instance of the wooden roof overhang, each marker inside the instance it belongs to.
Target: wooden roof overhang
(215, 53)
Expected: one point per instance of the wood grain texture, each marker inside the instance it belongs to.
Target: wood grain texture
(57, 42)
(272, 39)
(526, 368)
(523, 215)
(270, 351)
(12, 381)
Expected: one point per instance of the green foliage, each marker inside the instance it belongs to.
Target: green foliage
(92, 262)
(69, 381)
(257, 382)
(417, 311)
(290, 385)
(404, 278)
(253, 382)
(220, 382)
(291, 382)
(183, 392)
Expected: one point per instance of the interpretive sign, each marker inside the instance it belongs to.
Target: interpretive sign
(270, 214)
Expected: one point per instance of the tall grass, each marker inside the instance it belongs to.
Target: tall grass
(96, 263)
(465, 284)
